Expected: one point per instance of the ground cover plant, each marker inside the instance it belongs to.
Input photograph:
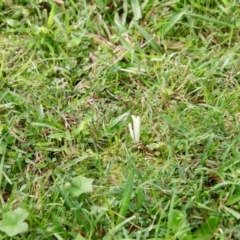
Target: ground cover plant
(72, 74)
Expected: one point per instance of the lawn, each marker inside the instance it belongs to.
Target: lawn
(75, 76)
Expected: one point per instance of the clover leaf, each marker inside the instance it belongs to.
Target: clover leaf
(12, 222)
(81, 185)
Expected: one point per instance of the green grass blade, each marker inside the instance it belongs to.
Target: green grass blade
(51, 16)
(149, 38)
(211, 20)
(1, 174)
(126, 197)
(170, 216)
(71, 72)
(232, 212)
(172, 22)
(137, 12)
(45, 125)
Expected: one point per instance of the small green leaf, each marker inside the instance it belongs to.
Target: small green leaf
(177, 220)
(12, 23)
(12, 222)
(58, 136)
(3, 146)
(79, 237)
(207, 229)
(81, 185)
(179, 225)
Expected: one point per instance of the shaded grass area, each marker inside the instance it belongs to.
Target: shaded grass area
(73, 73)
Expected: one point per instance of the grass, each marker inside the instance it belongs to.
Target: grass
(73, 73)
